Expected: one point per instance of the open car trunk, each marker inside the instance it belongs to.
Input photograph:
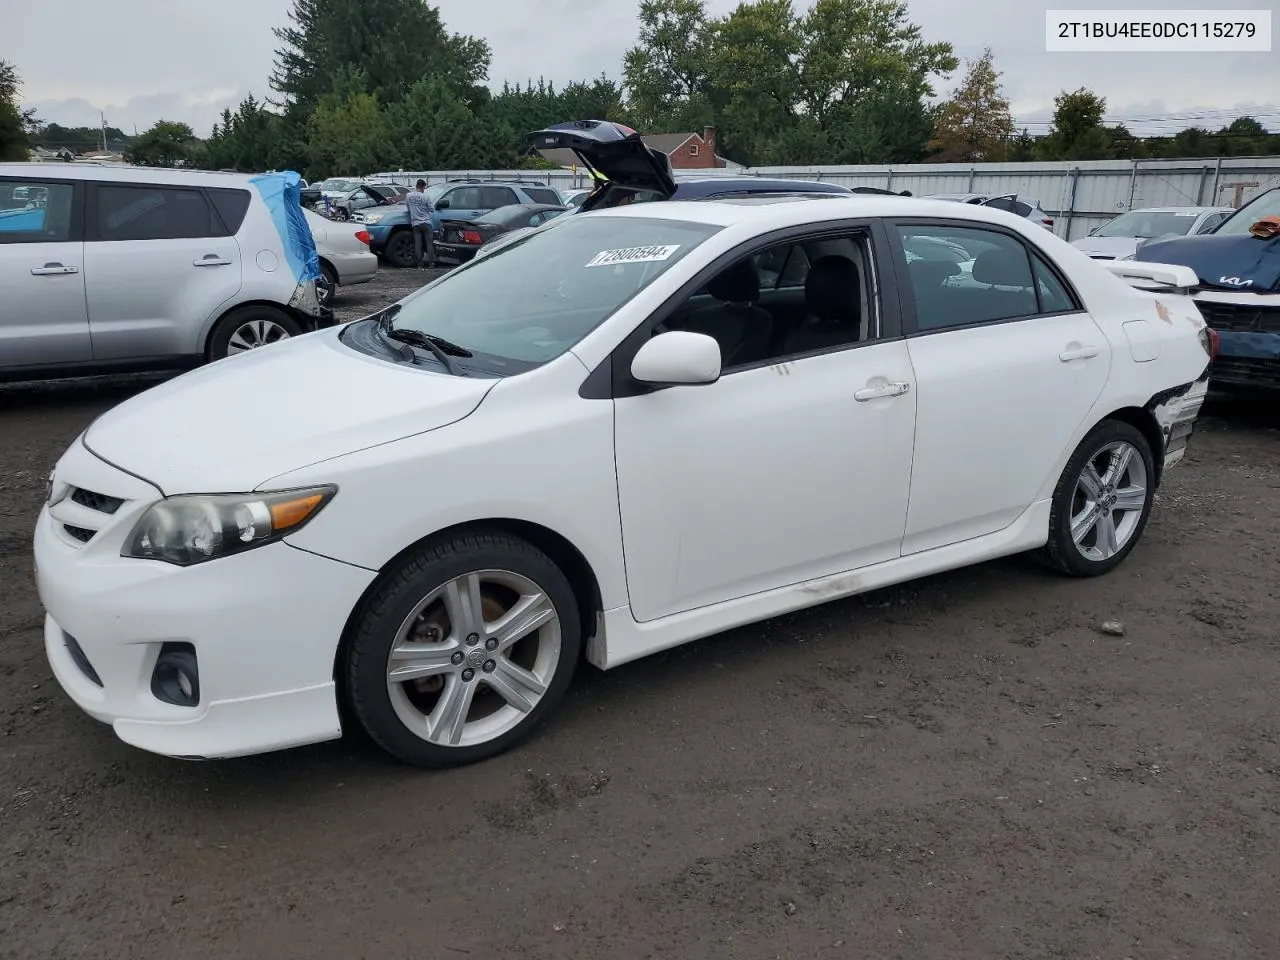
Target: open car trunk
(610, 151)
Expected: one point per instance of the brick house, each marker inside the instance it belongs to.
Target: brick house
(688, 151)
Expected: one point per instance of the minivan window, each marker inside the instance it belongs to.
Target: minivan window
(534, 298)
(35, 212)
(144, 212)
(231, 205)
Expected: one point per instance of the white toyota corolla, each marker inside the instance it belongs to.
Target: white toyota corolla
(602, 441)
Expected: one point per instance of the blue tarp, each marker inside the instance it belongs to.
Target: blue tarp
(283, 195)
(22, 221)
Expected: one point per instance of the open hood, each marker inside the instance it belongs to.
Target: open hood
(1238, 262)
(609, 150)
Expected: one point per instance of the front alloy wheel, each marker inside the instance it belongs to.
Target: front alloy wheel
(463, 650)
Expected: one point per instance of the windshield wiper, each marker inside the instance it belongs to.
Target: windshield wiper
(442, 349)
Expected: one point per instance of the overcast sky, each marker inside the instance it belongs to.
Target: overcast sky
(139, 61)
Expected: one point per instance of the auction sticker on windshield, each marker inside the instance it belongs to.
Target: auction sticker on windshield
(650, 254)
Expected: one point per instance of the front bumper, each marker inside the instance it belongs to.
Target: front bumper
(264, 624)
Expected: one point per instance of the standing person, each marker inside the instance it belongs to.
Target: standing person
(420, 211)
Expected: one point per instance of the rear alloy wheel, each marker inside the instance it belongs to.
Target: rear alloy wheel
(463, 650)
(400, 252)
(248, 328)
(1102, 501)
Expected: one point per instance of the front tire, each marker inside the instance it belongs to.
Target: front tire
(400, 251)
(247, 328)
(1102, 501)
(462, 650)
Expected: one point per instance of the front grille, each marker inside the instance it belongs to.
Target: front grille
(80, 533)
(80, 659)
(1245, 371)
(1240, 317)
(96, 501)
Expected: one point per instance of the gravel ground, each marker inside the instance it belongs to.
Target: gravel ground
(963, 767)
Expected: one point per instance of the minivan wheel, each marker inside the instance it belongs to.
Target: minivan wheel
(399, 251)
(1102, 501)
(247, 328)
(462, 650)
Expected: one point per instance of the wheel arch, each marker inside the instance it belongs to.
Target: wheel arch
(1143, 420)
(207, 334)
(582, 578)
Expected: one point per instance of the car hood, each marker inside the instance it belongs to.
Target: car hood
(616, 153)
(1238, 262)
(233, 425)
(1115, 247)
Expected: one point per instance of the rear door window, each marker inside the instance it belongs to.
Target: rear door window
(543, 195)
(491, 198)
(465, 198)
(144, 212)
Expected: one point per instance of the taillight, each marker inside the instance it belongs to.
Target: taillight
(1048, 222)
(363, 237)
(1211, 342)
(471, 236)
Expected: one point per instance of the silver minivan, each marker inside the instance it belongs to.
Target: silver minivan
(107, 268)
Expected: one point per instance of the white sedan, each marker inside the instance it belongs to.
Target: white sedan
(345, 257)
(602, 441)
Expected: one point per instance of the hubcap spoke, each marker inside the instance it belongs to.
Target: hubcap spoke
(462, 600)
(516, 685)
(413, 661)
(1090, 482)
(450, 715)
(1106, 527)
(1084, 522)
(1119, 464)
(1130, 498)
(528, 614)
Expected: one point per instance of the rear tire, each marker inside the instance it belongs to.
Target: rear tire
(399, 251)
(247, 328)
(327, 285)
(462, 650)
(1102, 501)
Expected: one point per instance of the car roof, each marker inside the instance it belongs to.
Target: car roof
(1177, 210)
(797, 210)
(123, 172)
(707, 186)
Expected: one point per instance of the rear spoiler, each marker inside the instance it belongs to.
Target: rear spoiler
(1181, 279)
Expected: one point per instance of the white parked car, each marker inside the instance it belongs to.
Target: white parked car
(106, 268)
(345, 257)
(1119, 238)
(603, 441)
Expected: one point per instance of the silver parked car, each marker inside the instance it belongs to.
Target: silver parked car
(1119, 238)
(105, 268)
(1011, 202)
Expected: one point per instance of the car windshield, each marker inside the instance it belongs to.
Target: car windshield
(1148, 224)
(534, 298)
(1264, 205)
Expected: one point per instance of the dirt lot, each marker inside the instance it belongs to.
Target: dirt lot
(963, 767)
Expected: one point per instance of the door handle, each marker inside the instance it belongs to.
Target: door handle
(1078, 353)
(211, 260)
(52, 269)
(896, 389)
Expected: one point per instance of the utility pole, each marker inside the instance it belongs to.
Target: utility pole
(1240, 187)
(103, 119)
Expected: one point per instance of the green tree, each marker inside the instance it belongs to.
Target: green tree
(1078, 133)
(431, 129)
(15, 123)
(665, 73)
(975, 124)
(348, 133)
(246, 140)
(167, 144)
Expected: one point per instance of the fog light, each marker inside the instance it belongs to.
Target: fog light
(176, 677)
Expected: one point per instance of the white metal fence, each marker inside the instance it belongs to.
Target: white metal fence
(1079, 195)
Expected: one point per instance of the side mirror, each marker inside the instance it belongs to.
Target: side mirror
(678, 357)
(442, 203)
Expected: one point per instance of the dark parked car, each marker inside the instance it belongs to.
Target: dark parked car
(460, 239)
(1238, 266)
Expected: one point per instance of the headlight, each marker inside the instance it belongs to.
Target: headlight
(193, 529)
(371, 217)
